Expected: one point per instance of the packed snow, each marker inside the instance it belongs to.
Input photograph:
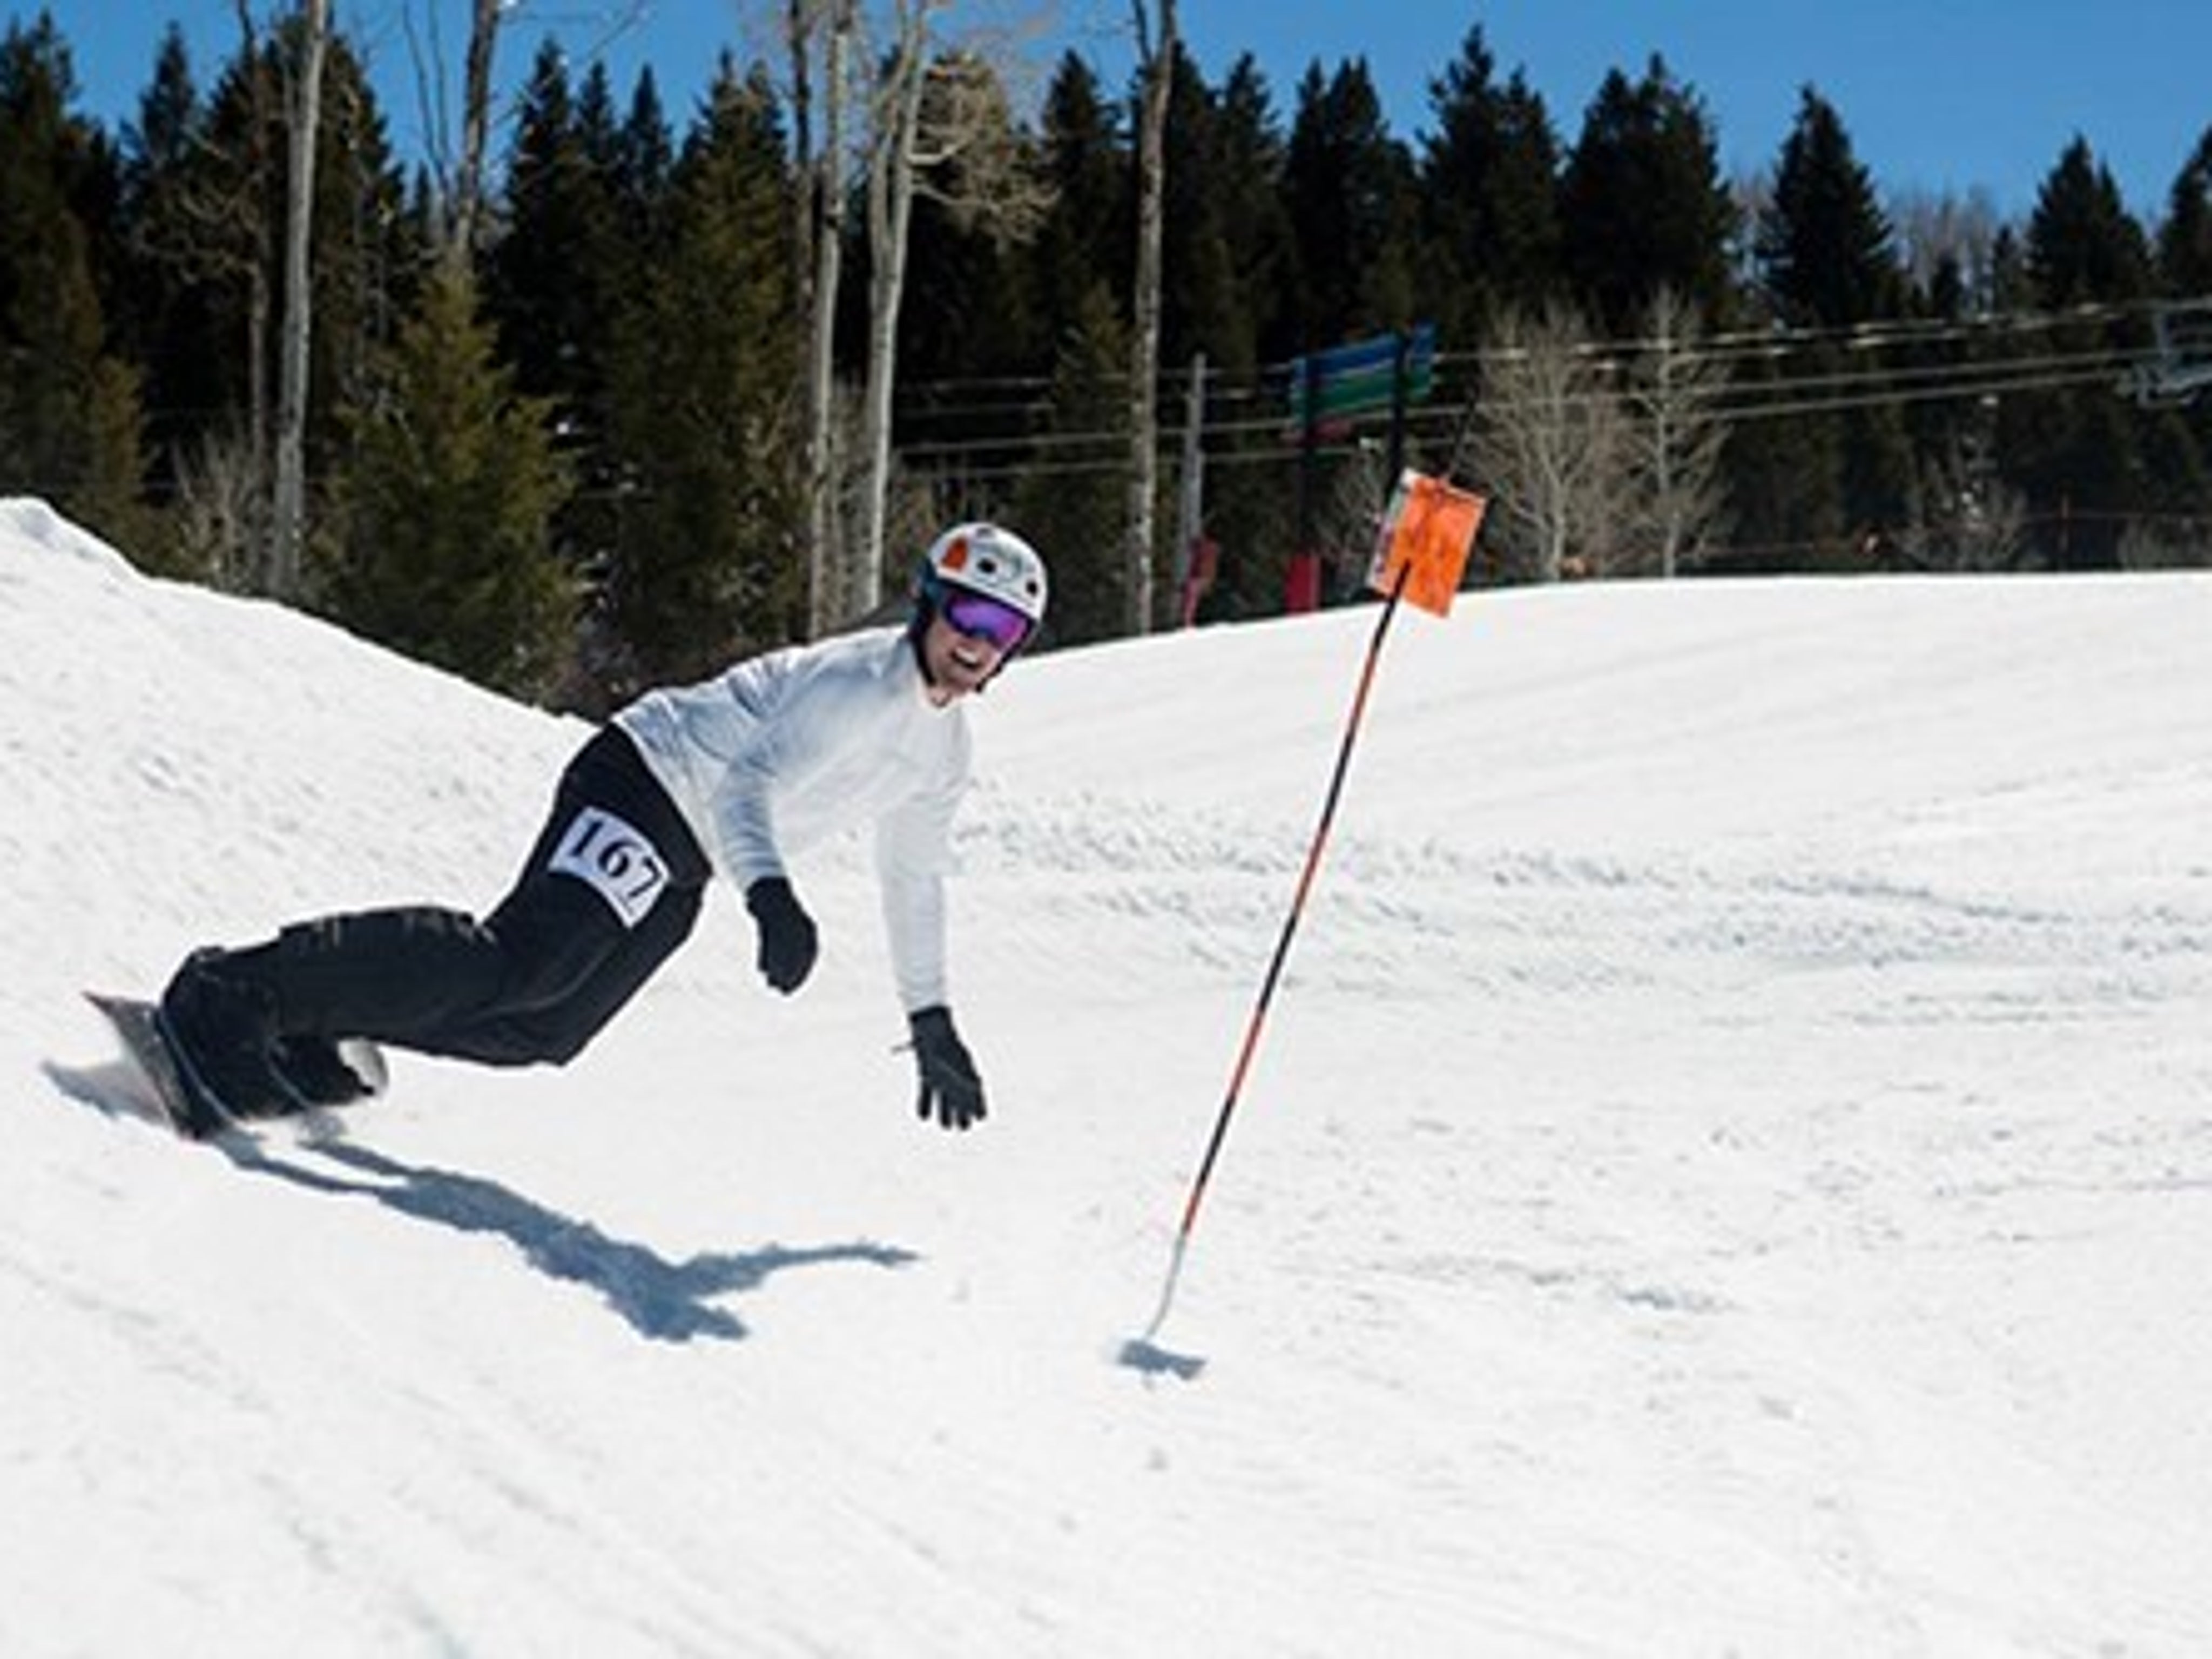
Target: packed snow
(1728, 1171)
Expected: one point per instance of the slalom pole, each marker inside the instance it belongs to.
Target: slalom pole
(1314, 851)
(1428, 531)
(1253, 1027)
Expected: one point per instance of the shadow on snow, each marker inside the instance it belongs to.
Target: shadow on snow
(666, 1301)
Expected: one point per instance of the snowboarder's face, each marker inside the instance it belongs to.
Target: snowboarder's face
(958, 662)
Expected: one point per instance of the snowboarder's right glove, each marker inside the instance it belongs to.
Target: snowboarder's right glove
(787, 933)
(951, 1090)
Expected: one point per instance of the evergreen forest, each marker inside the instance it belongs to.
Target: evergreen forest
(569, 439)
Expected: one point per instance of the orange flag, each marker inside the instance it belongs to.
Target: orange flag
(1428, 534)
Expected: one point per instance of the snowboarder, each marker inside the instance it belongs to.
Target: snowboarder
(726, 774)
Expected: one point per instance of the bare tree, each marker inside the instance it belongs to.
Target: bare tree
(475, 128)
(460, 179)
(2148, 544)
(1551, 446)
(941, 126)
(1158, 61)
(1353, 505)
(1934, 230)
(219, 229)
(243, 223)
(1677, 435)
(895, 138)
(820, 210)
(222, 500)
(1964, 517)
(303, 118)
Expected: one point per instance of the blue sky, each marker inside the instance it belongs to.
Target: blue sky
(1936, 93)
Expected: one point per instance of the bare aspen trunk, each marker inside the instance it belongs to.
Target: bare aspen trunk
(303, 118)
(256, 254)
(937, 125)
(822, 245)
(829, 278)
(1662, 442)
(1145, 349)
(476, 128)
(1680, 433)
(258, 575)
(806, 230)
(891, 210)
(1190, 517)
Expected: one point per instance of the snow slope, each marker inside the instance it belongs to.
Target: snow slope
(1728, 1170)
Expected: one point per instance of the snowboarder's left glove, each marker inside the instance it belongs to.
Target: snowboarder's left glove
(787, 933)
(951, 1090)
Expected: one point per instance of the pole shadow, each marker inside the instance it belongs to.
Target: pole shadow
(1141, 1353)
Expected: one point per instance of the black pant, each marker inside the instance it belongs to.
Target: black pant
(613, 886)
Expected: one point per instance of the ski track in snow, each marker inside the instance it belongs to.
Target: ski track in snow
(1726, 1171)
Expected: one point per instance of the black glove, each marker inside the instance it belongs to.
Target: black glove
(951, 1090)
(787, 933)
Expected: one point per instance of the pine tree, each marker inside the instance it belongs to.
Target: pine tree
(1642, 207)
(1824, 250)
(2185, 260)
(1349, 189)
(2082, 246)
(1230, 262)
(165, 319)
(2185, 242)
(644, 158)
(1204, 302)
(1070, 514)
(446, 552)
(205, 200)
(707, 565)
(1490, 191)
(1826, 264)
(2078, 453)
(368, 260)
(212, 233)
(69, 407)
(555, 201)
(559, 278)
(1248, 157)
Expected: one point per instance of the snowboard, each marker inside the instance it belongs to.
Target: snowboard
(186, 1108)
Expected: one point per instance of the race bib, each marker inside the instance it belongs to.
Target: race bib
(614, 860)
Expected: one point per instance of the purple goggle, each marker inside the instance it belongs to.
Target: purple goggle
(980, 618)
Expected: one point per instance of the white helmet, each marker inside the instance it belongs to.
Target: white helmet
(989, 560)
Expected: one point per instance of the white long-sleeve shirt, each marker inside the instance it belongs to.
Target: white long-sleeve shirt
(786, 749)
